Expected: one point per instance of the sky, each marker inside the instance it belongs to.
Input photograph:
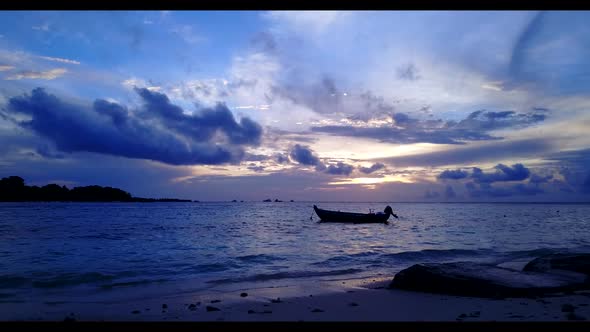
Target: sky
(387, 106)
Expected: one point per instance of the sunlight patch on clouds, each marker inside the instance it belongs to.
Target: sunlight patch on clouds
(366, 149)
(374, 181)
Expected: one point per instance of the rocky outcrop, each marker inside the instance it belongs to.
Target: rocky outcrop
(483, 280)
(556, 263)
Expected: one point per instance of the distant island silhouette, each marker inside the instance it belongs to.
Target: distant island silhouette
(13, 189)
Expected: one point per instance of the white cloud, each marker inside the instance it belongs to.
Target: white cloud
(44, 75)
(73, 62)
(43, 27)
(140, 83)
(5, 68)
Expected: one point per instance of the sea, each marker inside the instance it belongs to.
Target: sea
(67, 251)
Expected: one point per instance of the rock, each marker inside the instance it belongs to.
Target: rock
(353, 304)
(561, 262)
(482, 280)
(251, 311)
(317, 310)
(243, 294)
(192, 307)
(278, 300)
(215, 301)
(164, 306)
(135, 312)
(210, 308)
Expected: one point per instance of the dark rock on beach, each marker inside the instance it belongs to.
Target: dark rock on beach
(483, 280)
(210, 308)
(243, 294)
(556, 263)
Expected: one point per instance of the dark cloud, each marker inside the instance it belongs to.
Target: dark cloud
(158, 131)
(408, 72)
(503, 173)
(517, 172)
(575, 168)
(282, 158)
(540, 179)
(453, 174)
(339, 169)
(473, 154)
(431, 194)
(409, 130)
(487, 190)
(487, 120)
(450, 192)
(255, 157)
(45, 151)
(373, 168)
(304, 155)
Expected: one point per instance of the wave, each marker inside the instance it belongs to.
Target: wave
(285, 275)
(261, 258)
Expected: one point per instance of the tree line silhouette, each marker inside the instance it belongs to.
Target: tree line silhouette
(13, 189)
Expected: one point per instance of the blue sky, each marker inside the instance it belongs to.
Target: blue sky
(320, 105)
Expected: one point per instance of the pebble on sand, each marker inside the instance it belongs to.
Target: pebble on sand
(243, 294)
(210, 308)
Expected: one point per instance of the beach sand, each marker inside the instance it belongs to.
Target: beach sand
(339, 300)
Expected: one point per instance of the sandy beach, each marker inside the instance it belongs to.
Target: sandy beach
(339, 300)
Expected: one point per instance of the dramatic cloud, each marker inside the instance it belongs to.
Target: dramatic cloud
(304, 155)
(339, 169)
(158, 131)
(5, 67)
(503, 173)
(373, 168)
(43, 75)
(405, 129)
(453, 174)
(203, 125)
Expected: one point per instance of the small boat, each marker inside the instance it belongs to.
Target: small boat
(337, 216)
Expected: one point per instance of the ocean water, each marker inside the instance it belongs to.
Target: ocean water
(63, 250)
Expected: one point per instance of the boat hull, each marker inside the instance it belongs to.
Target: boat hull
(349, 217)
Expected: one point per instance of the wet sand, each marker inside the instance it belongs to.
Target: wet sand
(341, 300)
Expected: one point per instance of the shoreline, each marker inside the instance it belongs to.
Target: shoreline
(335, 300)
